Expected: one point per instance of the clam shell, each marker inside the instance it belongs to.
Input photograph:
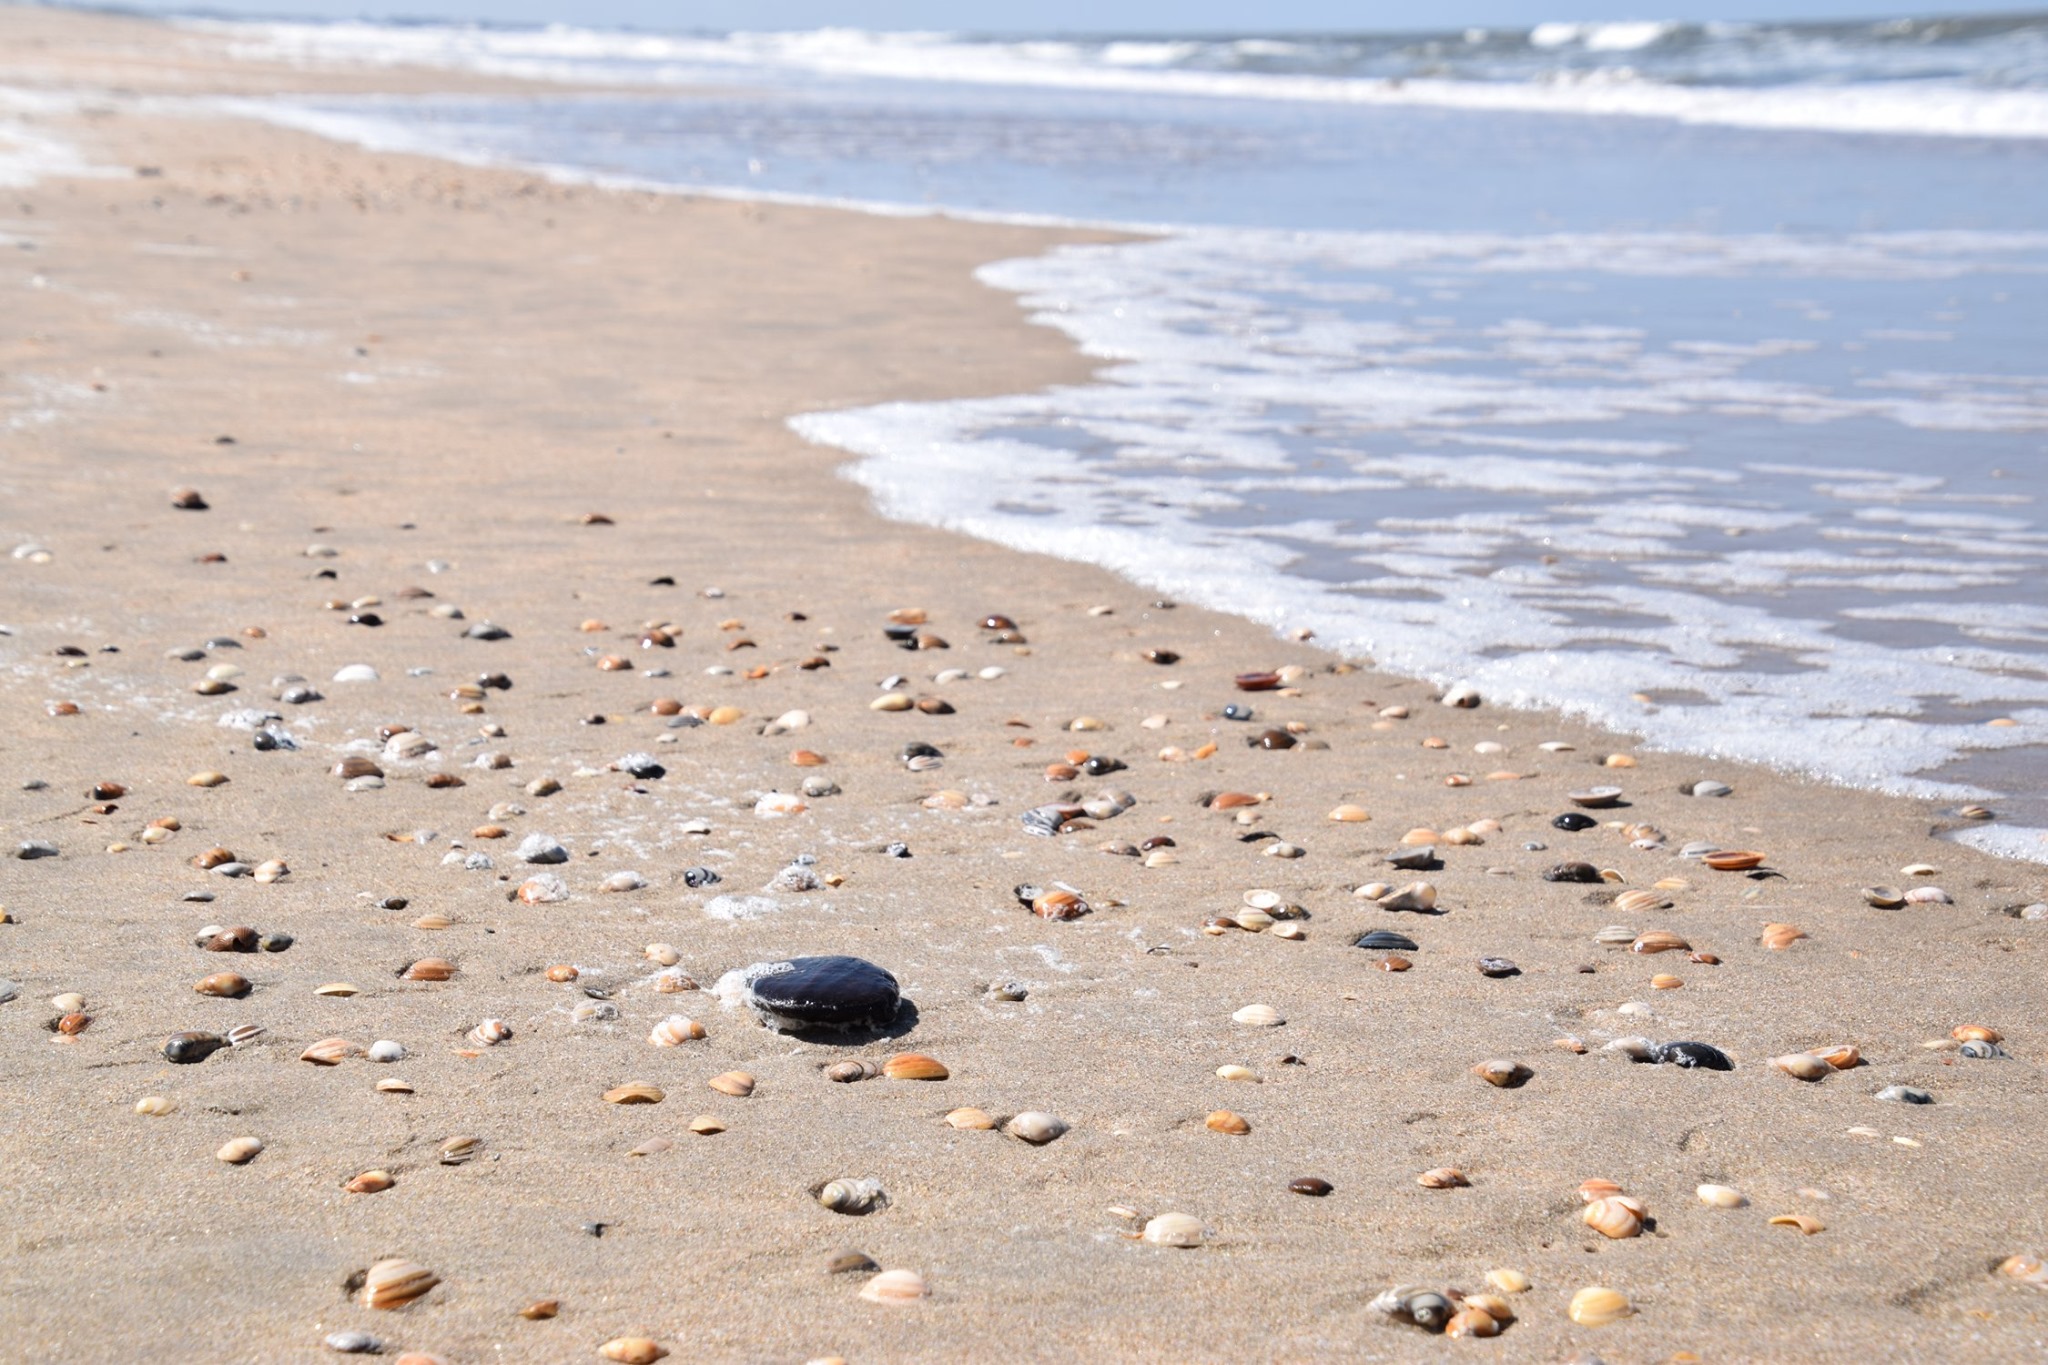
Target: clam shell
(1721, 1197)
(239, 1151)
(1417, 896)
(156, 1106)
(1928, 895)
(1312, 1185)
(1350, 814)
(914, 1066)
(229, 985)
(637, 1092)
(329, 1052)
(1597, 1188)
(1636, 902)
(429, 969)
(2026, 1269)
(1443, 1178)
(846, 1072)
(737, 1084)
(594, 1012)
(1502, 1073)
(1842, 1057)
(1508, 1281)
(1976, 1033)
(1596, 798)
(1224, 1121)
(1472, 1322)
(969, 1120)
(675, 1031)
(1036, 1127)
(461, 1148)
(1659, 941)
(490, 1032)
(1733, 860)
(1804, 1222)
(895, 1287)
(1616, 936)
(1802, 1065)
(369, 1182)
(630, 1350)
(394, 1283)
(1258, 1016)
(1175, 1230)
(1778, 937)
(1493, 1305)
(704, 1125)
(1595, 1306)
(394, 1086)
(851, 1197)
(1884, 897)
(1612, 1217)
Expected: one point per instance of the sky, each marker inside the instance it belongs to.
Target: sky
(1080, 16)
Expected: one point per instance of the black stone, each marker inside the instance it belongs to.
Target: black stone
(1573, 872)
(822, 993)
(1703, 1056)
(1237, 711)
(1572, 822)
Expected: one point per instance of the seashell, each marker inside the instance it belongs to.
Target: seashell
(1634, 1048)
(1505, 1074)
(895, 1287)
(637, 1092)
(230, 985)
(971, 1120)
(674, 1031)
(1805, 1222)
(2026, 1269)
(1721, 1197)
(1919, 870)
(1290, 931)
(1976, 1033)
(1443, 1178)
(1705, 787)
(1350, 814)
(490, 1033)
(1312, 1185)
(1693, 1056)
(662, 953)
(1472, 1322)
(1424, 1308)
(1223, 1121)
(704, 1125)
(1928, 895)
(847, 1072)
(1395, 963)
(394, 1283)
(1498, 967)
(1779, 937)
(1174, 1230)
(1657, 942)
(1615, 1217)
(240, 1151)
(341, 990)
(1035, 1127)
(673, 982)
(428, 969)
(1598, 1307)
(651, 1147)
(562, 973)
(1802, 1065)
(1597, 1188)
(852, 1197)
(1733, 860)
(1905, 1094)
(1842, 1057)
(155, 1106)
(1570, 1044)
(1416, 896)
(1884, 897)
(206, 779)
(1572, 872)
(1616, 936)
(914, 1066)
(330, 1052)
(1596, 798)
(394, 1086)
(1976, 1049)
(629, 1350)
(1258, 1016)
(1508, 1281)
(1636, 902)
(369, 1182)
(1664, 981)
(737, 1084)
(460, 1149)
(1252, 921)
(352, 1343)
(1059, 905)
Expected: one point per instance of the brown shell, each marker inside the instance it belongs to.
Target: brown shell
(914, 1066)
(638, 1092)
(429, 969)
(737, 1084)
(231, 985)
(1733, 860)
(1659, 941)
(1223, 1121)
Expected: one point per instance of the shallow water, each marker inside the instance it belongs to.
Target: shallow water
(1719, 429)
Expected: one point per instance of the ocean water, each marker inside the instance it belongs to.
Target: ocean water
(1692, 379)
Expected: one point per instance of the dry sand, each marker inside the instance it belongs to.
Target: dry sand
(420, 363)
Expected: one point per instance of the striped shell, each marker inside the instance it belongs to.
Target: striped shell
(394, 1283)
(675, 1031)
(490, 1033)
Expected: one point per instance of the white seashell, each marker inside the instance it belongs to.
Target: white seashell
(1258, 1016)
(1036, 1127)
(490, 1032)
(776, 805)
(594, 1012)
(384, 1050)
(623, 881)
(1721, 1197)
(1803, 1065)
(1414, 896)
(356, 673)
(1175, 1230)
(394, 1283)
(240, 1151)
(852, 1197)
(1928, 895)
(895, 1286)
(674, 1031)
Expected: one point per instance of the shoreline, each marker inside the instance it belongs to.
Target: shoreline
(422, 364)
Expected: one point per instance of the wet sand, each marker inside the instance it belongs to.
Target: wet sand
(419, 365)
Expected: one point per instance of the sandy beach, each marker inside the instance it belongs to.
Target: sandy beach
(402, 387)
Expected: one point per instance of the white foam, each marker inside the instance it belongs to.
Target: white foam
(1915, 108)
(29, 152)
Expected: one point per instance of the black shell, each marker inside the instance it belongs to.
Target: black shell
(1573, 872)
(186, 1048)
(1704, 1056)
(1572, 821)
(1385, 940)
(824, 992)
